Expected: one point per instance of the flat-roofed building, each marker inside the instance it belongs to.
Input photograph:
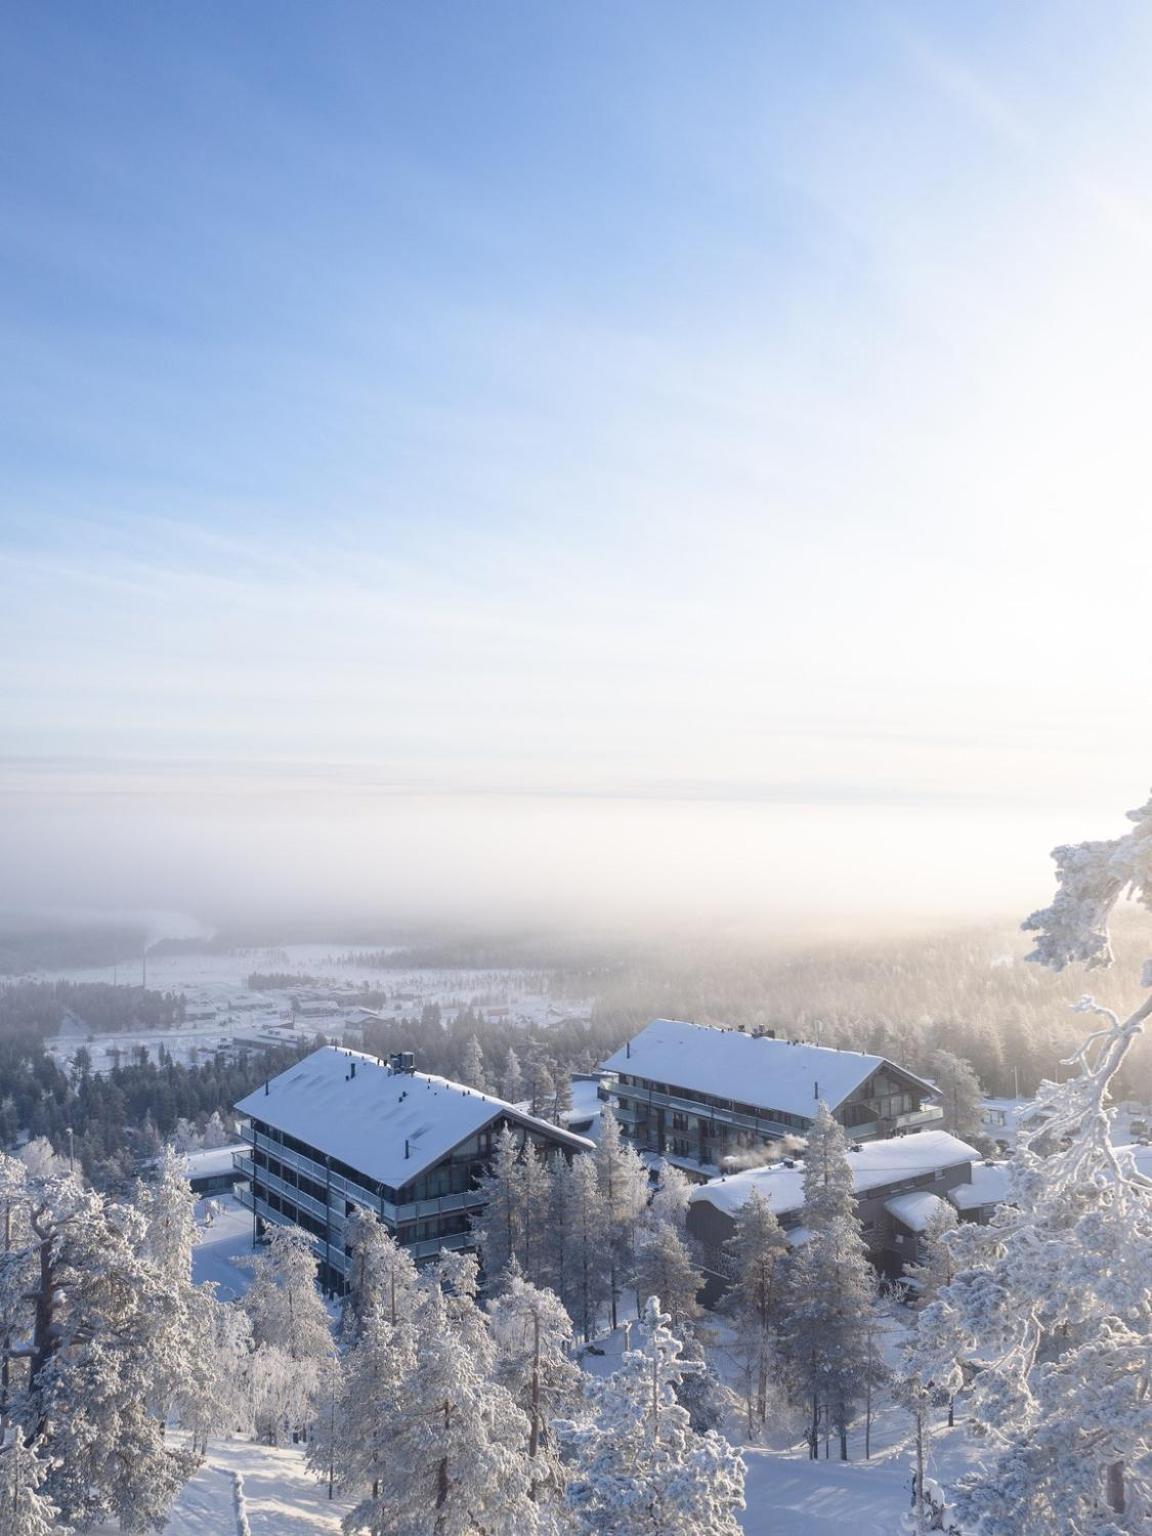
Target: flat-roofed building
(342, 1130)
(900, 1184)
(697, 1094)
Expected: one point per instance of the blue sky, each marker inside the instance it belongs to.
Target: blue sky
(665, 436)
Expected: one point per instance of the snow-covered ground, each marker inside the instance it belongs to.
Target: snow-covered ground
(222, 1011)
(221, 1244)
(280, 1495)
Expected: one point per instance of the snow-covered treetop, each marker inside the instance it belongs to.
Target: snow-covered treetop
(1091, 877)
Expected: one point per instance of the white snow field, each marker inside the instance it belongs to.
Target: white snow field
(281, 1497)
(221, 1245)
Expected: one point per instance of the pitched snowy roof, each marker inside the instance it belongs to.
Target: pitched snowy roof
(368, 1120)
(915, 1210)
(749, 1069)
(876, 1163)
(989, 1186)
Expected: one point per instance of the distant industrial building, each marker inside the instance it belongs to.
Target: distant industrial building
(697, 1094)
(342, 1130)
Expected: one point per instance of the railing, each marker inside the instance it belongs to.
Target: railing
(332, 1249)
(412, 1210)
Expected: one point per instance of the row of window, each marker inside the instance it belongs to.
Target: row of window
(353, 1175)
(733, 1106)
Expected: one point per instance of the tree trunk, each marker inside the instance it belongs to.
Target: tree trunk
(534, 1436)
(1116, 1495)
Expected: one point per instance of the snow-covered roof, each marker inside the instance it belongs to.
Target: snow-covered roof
(213, 1162)
(989, 1186)
(368, 1120)
(915, 1210)
(749, 1069)
(876, 1163)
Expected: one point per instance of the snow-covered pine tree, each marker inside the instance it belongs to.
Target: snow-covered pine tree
(624, 1185)
(637, 1468)
(701, 1391)
(96, 1398)
(457, 1462)
(1052, 1301)
(586, 1242)
(512, 1078)
(473, 1071)
(24, 1511)
(535, 1205)
(960, 1095)
(383, 1275)
(830, 1292)
(753, 1258)
(561, 1104)
(540, 1082)
(185, 1377)
(670, 1200)
(532, 1336)
(290, 1329)
(664, 1268)
(500, 1225)
(377, 1370)
(937, 1265)
(90, 1352)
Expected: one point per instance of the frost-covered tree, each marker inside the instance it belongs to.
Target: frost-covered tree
(700, 1390)
(457, 1462)
(753, 1258)
(532, 1337)
(383, 1276)
(290, 1329)
(1052, 1302)
(499, 1225)
(585, 1243)
(638, 1468)
(624, 1185)
(830, 1292)
(541, 1084)
(352, 1446)
(473, 1070)
(561, 1105)
(960, 1095)
(90, 1350)
(670, 1201)
(512, 1078)
(936, 1266)
(664, 1268)
(24, 1511)
(535, 1202)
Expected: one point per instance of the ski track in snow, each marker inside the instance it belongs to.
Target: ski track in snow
(281, 1497)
